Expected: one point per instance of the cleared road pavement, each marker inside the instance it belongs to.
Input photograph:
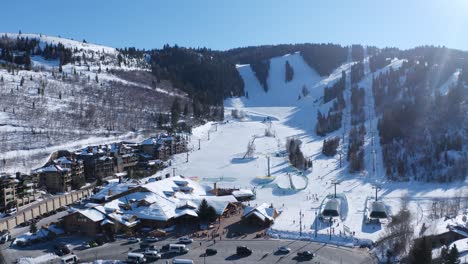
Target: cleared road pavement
(264, 251)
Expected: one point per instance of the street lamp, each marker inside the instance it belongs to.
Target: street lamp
(316, 222)
(300, 222)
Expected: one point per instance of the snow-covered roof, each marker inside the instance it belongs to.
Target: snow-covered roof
(149, 141)
(165, 199)
(107, 221)
(243, 193)
(219, 203)
(51, 168)
(112, 189)
(170, 186)
(263, 211)
(63, 160)
(92, 214)
(124, 219)
(331, 208)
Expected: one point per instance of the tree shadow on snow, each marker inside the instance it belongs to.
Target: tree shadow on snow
(242, 160)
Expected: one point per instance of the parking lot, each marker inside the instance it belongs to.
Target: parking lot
(264, 251)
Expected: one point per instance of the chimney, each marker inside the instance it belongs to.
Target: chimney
(215, 188)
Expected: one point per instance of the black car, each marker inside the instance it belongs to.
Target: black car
(305, 255)
(211, 251)
(62, 249)
(145, 245)
(165, 247)
(243, 250)
(26, 223)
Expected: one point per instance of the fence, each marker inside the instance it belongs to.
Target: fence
(47, 205)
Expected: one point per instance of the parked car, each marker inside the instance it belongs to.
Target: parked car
(284, 249)
(26, 223)
(305, 255)
(146, 245)
(133, 257)
(11, 211)
(133, 240)
(152, 254)
(165, 247)
(185, 240)
(211, 251)
(151, 239)
(4, 238)
(62, 246)
(85, 245)
(243, 250)
(69, 259)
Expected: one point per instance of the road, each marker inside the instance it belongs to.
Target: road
(264, 251)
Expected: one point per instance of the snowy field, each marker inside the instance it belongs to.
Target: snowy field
(33, 124)
(223, 146)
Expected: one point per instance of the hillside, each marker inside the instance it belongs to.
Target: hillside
(56, 90)
(287, 111)
(60, 93)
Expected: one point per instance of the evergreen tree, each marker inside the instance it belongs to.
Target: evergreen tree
(175, 112)
(206, 212)
(33, 228)
(444, 254)
(160, 120)
(452, 256)
(186, 110)
(420, 252)
(27, 60)
(289, 72)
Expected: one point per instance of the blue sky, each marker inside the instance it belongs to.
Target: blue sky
(219, 24)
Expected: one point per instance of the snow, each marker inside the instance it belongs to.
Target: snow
(46, 258)
(41, 233)
(68, 43)
(220, 159)
(39, 61)
(262, 211)
(462, 245)
(242, 193)
(452, 80)
(161, 200)
(92, 214)
(111, 189)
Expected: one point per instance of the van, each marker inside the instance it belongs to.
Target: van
(69, 259)
(182, 261)
(136, 258)
(178, 248)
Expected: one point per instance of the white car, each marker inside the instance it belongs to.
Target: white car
(133, 240)
(152, 254)
(85, 245)
(11, 211)
(185, 240)
(284, 249)
(152, 239)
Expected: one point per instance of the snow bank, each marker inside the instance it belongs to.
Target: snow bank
(47, 258)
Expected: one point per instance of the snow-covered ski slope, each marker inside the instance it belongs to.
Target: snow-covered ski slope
(223, 146)
(67, 43)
